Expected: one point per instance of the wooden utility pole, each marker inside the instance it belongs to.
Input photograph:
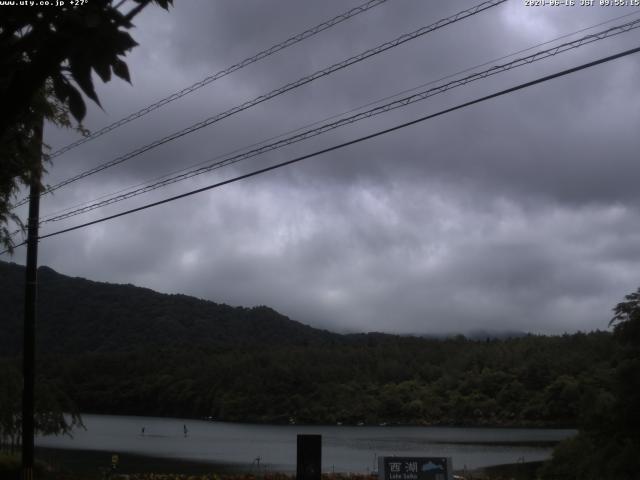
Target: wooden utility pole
(30, 296)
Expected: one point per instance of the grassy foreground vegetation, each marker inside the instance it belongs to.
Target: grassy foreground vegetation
(11, 471)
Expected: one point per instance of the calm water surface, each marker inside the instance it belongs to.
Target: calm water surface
(344, 448)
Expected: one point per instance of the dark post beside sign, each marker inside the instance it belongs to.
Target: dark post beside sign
(309, 465)
(415, 468)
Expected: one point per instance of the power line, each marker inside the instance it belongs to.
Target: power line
(317, 122)
(92, 203)
(351, 142)
(222, 73)
(279, 91)
(416, 97)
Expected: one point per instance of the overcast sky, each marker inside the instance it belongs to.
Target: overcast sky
(520, 213)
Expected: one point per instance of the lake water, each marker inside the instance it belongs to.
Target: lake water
(344, 448)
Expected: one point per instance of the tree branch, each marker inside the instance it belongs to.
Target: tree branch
(136, 10)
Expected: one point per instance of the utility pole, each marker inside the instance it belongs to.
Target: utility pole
(30, 296)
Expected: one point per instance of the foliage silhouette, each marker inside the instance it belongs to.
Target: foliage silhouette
(47, 56)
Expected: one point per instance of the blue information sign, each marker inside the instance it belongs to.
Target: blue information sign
(415, 468)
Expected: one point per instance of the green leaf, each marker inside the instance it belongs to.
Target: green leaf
(81, 72)
(164, 3)
(76, 104)
(103, 70)
(121, 69)
(61, 87)
(123, 42)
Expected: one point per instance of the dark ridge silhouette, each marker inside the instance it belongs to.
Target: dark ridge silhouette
(76, 315)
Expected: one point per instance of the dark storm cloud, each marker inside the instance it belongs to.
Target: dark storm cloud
(518, 214)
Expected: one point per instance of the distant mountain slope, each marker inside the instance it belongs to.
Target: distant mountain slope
(76, 315)
(125, 350)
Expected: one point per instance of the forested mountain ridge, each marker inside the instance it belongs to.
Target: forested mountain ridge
(126, 350)
(529, 381)
(76, 315)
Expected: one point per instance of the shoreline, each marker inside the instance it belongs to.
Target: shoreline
(237, 447)
(488, 424)
(95, 462)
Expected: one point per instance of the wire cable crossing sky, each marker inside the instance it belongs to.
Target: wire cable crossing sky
(521, 214)
(538, 56)
(223, 73)
(279, 91)
(346, 144)
(264, 142)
